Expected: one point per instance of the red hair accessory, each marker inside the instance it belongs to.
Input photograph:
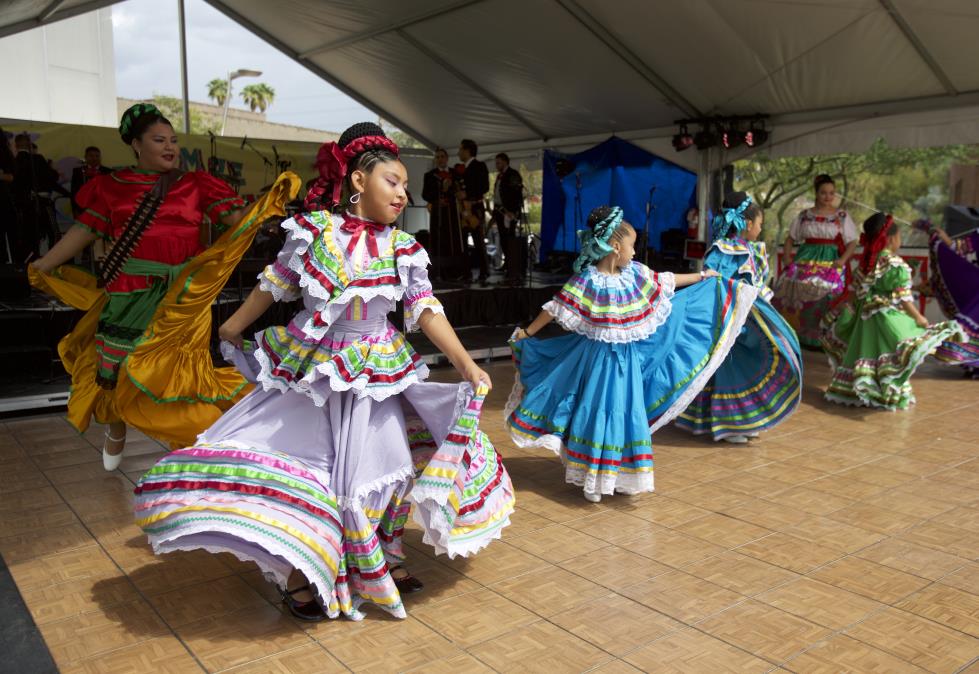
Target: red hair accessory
(332, 161)
(872, 248)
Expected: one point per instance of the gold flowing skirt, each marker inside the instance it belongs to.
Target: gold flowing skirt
(168, 386)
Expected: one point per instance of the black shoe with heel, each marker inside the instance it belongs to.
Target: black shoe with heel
(310, 611)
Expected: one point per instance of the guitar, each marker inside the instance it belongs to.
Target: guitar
(468, 220)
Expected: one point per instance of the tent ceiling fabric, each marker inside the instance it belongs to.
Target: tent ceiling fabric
(534, 73)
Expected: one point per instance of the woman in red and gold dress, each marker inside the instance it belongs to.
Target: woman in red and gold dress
(140, 355)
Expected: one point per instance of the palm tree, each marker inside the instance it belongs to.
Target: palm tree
(217, 90)
(258, 96)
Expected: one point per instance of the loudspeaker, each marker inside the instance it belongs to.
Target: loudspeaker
(960, 220)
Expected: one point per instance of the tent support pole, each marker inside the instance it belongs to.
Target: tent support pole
(182, 27)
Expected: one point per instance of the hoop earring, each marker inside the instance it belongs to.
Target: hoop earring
(355, 199)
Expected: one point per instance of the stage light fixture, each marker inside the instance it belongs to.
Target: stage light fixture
(731, 137)
(682, 140)
(755, 136)
(705, 138)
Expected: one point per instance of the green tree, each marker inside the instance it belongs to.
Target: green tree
(908, 182)
(258, 96)
(217, 90)
(173, 109)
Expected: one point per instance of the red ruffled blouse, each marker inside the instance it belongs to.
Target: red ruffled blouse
(197, 199)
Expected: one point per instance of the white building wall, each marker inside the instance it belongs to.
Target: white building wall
(63, 72)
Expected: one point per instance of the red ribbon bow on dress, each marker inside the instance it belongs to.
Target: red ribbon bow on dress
(355, 227)
(873, 247)
(332, 161)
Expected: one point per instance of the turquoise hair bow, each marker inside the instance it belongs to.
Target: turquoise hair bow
(730, 217)
(594, 241)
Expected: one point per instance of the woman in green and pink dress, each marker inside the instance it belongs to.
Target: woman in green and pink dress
(815, 273)
(876, 341)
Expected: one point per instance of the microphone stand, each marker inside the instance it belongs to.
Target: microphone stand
(649, 211)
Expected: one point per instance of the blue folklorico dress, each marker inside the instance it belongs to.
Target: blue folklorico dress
(636, 356)
(760, 383)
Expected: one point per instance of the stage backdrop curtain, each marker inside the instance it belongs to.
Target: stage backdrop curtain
(613, 172)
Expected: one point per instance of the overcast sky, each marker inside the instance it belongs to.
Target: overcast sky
(148, 62)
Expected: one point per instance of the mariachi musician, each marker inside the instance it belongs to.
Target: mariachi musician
(439, 190)
(473, 188)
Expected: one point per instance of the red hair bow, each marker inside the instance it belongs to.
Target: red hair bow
(332, 161)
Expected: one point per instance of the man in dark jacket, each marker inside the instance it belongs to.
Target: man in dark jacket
(475, 185)
(82, 174)
(507, 211)
(33, 179)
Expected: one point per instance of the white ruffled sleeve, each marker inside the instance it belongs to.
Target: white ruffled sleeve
(419, 297)
(279, 278)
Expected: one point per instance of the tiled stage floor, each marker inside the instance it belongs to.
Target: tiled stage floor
(846, 540)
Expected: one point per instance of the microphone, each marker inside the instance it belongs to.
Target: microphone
(243, 141)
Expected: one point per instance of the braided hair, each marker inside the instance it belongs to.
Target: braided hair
(360, 148)
(735, 215)
(876, 229)
(137, 119)
(605, 227)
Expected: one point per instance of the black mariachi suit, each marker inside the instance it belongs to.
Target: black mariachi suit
(476, 180)
(509, 185)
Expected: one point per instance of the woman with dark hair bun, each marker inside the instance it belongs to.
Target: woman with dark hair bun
(814, 275)
(878, 339)
(141, 355)
(309, 476)
(760, 382)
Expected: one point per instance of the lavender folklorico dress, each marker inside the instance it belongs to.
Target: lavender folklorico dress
(313, 469)
(955, 280)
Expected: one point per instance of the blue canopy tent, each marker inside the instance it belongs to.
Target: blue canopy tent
(613, 172)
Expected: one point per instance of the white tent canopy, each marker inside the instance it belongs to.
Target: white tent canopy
(526, 74)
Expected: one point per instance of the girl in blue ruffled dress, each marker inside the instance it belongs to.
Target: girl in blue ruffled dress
(636, 357)
(760, 383)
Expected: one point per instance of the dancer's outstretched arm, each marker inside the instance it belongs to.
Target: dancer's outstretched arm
(438, 329)
(73, 242)
(543, 318)
(256, 304)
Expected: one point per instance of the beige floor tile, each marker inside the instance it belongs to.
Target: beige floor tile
(243, 636)
(905, 464)
(810, 500)
(27, 480)
(88, 634)
(81, 563)
(740, 573)
(752, 484)
(670, 547)
(17, 501)
(556, 543)
(454, 665)
(701, 471)
(610, 624)
(615, 667)
(956, 476)
(83, 472)
(912, 558)
(962, 517)
(711, 497)
(662, 510)
(614, 567)
(537, 648)
(787, 473)
(549, 591)
(768, 515)
(505, 562)
(692, 652)
(764, 630)
(917, 640)
(37, 518)
(950, 493)
(833, 534)
(206, 600)
(44, 542)
(909, 503)
(163, 655)
(947, 605)
(682, 596)
(472, 618)
(308, 659)
(961, 542)
(874, 518)
(789, 552)
(86, 595)
(966, 578)
(723, 530)
(525, 522)
(441, 582)
(846, 487)
(843, 654)
(877, 475)
(612, 526)
(874, 581)
(175, 570)
(823, 604)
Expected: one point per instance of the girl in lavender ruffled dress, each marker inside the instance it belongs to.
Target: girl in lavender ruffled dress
(309, 476)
